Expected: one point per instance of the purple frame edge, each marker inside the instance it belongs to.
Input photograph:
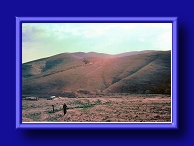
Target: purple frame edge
(160, 125)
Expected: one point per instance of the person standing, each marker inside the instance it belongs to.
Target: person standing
(64, 108)
(53, 108)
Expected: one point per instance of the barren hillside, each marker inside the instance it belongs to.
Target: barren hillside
(146, 72)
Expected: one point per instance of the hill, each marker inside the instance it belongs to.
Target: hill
(69, 74)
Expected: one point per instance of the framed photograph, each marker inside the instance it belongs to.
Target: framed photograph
(96, 73)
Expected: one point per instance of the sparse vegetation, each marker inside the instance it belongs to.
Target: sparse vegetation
(98, 102)
(123, 88)
(56, 110)
(33, 116)
(102, 109)
(52, 119)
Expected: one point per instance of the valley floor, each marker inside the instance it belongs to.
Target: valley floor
(131, 108)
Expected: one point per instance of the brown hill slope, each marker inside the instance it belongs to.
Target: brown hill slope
(64, 73)
(42, 65)
(154, 74)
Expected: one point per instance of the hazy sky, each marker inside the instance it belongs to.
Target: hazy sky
(41, 40)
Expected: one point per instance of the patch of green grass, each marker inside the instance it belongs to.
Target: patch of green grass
(34, 116)
(98, 102)
(84, 110)
(24, 107)
(80, 104)
(30, 106)
(52, 119)
(107, 103)
(85, 106)
(77, 102)
(153, 119)
(56, 110)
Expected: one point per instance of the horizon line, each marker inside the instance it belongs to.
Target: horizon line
(91, 52)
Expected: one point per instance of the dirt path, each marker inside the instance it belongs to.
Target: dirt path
(95, 70)
(102, 64)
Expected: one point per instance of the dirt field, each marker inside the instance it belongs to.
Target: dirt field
(131, 108)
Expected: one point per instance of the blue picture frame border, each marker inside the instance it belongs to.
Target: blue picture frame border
(137, 125)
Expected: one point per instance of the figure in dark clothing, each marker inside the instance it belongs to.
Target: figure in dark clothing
(64, 108)
(53, 108)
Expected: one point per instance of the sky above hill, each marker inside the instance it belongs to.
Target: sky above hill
(41, 40)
